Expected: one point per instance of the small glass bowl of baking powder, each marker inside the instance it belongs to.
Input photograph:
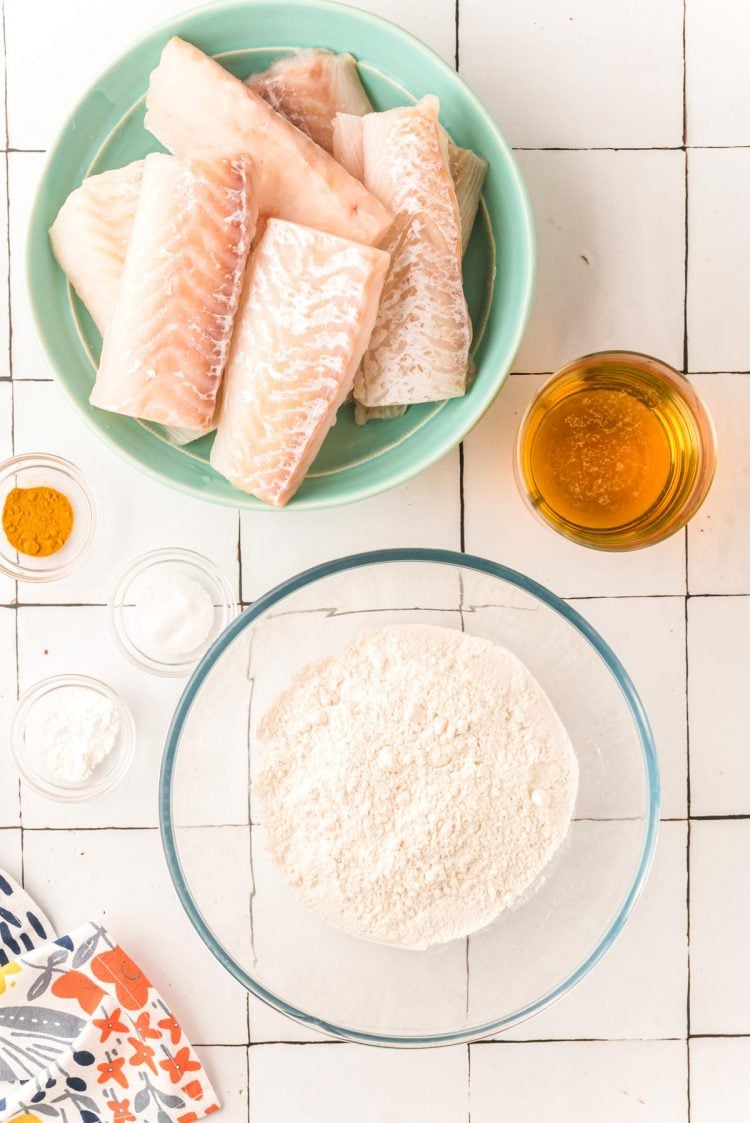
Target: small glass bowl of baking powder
(42, 469)
(72, 738)
(167, 607)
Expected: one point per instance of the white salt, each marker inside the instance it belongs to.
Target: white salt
(174, 616)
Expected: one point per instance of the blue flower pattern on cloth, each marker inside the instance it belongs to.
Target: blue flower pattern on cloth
(84, 1036)
(22, 924)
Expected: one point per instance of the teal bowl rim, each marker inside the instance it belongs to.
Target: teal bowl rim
(431, 454)
(358, 561)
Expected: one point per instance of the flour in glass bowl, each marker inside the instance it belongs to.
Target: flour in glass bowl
(415, 784)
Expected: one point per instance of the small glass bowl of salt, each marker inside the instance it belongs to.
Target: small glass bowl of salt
(72, 737)
(167, 607)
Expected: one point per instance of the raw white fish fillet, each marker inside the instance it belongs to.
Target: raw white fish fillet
(182, 437)
(310, 87)
(308, 306)
(419, 350)
(196, 108)
(348, 143)
(363, 414)
(405, 155)
(168, 338)
(91, 233)
(468, 170)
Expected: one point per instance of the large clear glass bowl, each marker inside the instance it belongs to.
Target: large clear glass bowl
(470, 988)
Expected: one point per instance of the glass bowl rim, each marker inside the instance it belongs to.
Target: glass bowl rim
(51, 460)
(359, 561)
(86, 790)
(141, 564)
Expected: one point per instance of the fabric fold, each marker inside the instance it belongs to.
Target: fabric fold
(84, 1035)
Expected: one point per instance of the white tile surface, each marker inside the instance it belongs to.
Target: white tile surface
(3, 114)
(620, 1082)
(719, 535)
(24, 172)
(4, 320)
(122, 877)
(9, 797)
(601, 281)
(137, 513)
(6, 419)
(717, 77)
(43, 85)
(434, 23)
(10, 852)
(339, 1083)
(53, 641)
(719, 662)
(266, 1024)
(648, 635)
(611, 232)
(719, 1079)
(7, 585)
(500, 526)
(719, 244)
(719, 927)
(423, 512)
(227, 1069)
(638, 990)
(575, 51)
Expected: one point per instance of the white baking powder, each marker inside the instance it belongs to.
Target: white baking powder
(174, 616)
(414, 785)
(71, 731)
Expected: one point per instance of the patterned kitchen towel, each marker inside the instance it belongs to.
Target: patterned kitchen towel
(84, 1036)
(22, 923)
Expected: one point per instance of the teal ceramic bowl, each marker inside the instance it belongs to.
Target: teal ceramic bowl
(106, 131)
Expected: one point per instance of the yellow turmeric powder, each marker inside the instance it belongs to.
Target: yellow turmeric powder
(37, 520)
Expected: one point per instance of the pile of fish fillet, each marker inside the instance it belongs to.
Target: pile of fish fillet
(295, 249)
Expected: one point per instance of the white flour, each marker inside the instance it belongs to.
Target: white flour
(415, 784)
(72, 730)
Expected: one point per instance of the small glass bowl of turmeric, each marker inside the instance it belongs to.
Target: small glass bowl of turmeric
(50, 517)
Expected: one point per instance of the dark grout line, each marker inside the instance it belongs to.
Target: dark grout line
(603, 148)
(3, 33)
(15, 151)
(328, 1041)
(91, 830)
(468, 1081)
(457, 18)
(462, 498)
(684, 73)
(239, 557)
(718, 1036)
(719, 819)
(685, 362)
(257, 823)
(633, 148)
(568, 1041)
(490, 1042)
(61, 604)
